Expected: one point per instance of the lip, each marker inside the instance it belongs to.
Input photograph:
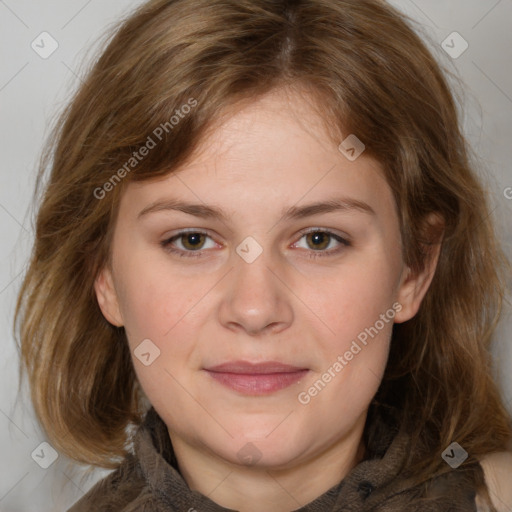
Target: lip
(261, 378)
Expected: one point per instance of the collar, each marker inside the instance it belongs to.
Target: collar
(362, 485)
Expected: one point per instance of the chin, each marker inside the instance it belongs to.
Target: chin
(274, 451)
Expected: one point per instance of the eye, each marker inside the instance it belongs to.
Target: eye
(319, 240)
(192, 243)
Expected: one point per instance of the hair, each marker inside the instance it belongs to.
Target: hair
(369, 73)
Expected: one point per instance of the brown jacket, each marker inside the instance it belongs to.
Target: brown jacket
(149, 481)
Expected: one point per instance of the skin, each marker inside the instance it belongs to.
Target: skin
(286, 306)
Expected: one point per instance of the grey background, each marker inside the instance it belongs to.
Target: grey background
(32, 92)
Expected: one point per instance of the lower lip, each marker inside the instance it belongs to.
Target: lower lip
(258, 383)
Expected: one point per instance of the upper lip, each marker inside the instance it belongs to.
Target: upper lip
(246, 367)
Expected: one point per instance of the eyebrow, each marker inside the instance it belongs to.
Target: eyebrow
(294, 212)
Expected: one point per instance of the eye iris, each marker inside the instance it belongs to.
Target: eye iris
(318, 236)
(195, 237)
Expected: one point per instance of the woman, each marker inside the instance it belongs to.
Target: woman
(263, 247)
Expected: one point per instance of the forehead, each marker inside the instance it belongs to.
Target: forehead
(272, 151)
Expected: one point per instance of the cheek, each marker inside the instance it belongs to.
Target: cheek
(160, 307)
(351, 368)
(154, 299)
(353, 299)
(356, 317)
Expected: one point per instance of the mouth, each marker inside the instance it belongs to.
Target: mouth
(256, 378)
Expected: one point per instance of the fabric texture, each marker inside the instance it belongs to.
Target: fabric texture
(149, 481)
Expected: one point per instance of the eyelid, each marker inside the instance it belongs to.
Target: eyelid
(330, 231)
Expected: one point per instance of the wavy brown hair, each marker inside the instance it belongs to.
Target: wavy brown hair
(368, 72)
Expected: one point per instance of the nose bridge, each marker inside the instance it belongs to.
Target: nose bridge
(255, 299)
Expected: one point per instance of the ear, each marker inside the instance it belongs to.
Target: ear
(414, 285)
(106, 296)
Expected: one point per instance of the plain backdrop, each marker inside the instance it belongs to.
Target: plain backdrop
(34, 89)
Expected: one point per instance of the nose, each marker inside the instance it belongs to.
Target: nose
(256, 299)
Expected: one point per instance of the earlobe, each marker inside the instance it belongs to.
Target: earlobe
(106, 296)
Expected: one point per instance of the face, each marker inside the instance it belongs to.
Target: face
(266, 320)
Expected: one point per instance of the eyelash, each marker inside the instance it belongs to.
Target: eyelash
(166, 244)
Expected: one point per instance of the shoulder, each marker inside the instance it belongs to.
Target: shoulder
(497, 469)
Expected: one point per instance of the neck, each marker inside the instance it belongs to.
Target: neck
(267, 489)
